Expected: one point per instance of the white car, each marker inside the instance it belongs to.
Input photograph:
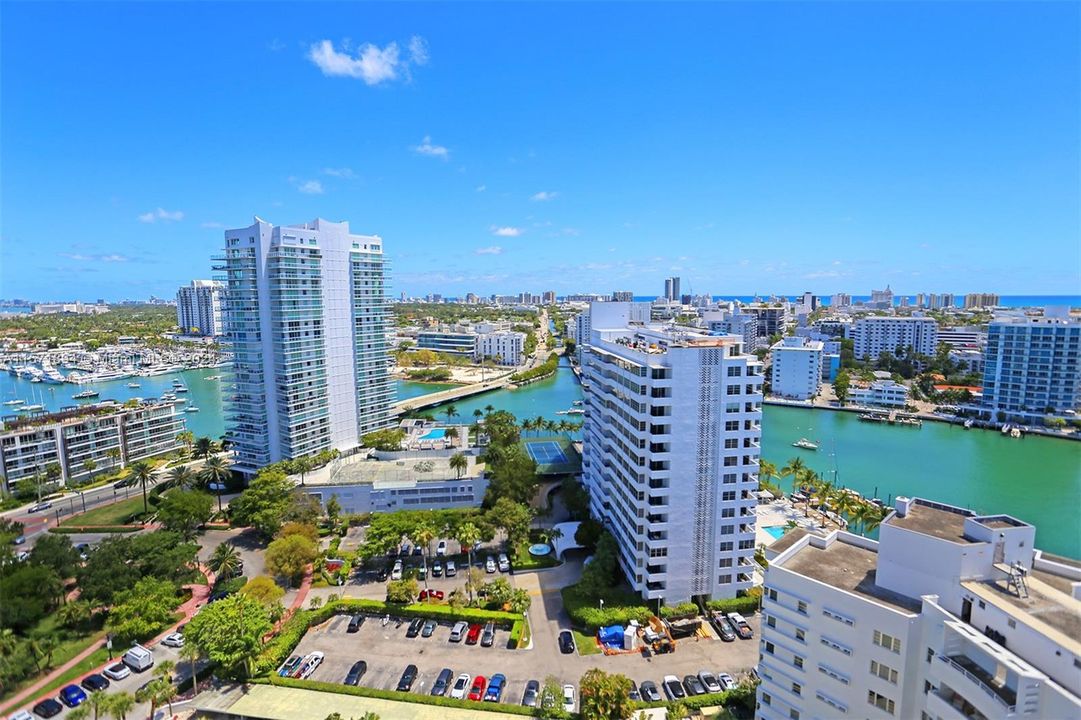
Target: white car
(21, 715)
(504, 563)
(461, 686)
(441, 548)
(117, 671)
(311, 664)
(489, 565)
(175, 640)
(568, 698)
(726, 681)
(396, 573)
(452, 569)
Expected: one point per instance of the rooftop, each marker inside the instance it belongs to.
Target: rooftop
(940, 521)
(1046, 609)
(787, 540)
(847, 567)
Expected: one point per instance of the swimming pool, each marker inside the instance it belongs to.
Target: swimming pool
(775, 530)
(436, 434)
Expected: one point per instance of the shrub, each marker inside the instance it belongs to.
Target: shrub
(231, 585)
(682, 610)
(619, 609)
(745, 605)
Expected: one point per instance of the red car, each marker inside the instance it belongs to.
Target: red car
(472, 636)
(431, 595)
(477, 691)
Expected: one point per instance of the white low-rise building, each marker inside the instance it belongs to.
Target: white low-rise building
(875, 335)
(506, 347)
(797, 368)
(883, 393)
(949, 616)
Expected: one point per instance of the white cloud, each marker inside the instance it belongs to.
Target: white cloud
(491, 250)
(113, 258)
(109, 257)
(160, 214)
(275, 45)
(427, 148)
(481, 188)
(310, 187)
(372, 64)
(506, 231)
(343, 173)
(212, 225)
(544, 195)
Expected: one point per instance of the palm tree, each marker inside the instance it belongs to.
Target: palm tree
(167, 693)
(204, 446)
(119, 705)
(181, 476)
(794, 467)
(538, 424)
(80, 713)
(767, 471)
(468, 535)
(149, 693)
(215, 471)
(90, 466)
(143, 474)
(873, 518)
(423, 534)
(225, 561)
(187, 437)
(42, 648)
(303, 465)
(113, 454)
(459, 463)
(489, 409)
(97, 701)
(451, 411)
(192, 653)
(527, 424)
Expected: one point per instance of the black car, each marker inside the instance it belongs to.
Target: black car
(354, 623)
(356, 673)
(95, 682)
(693, 685)
(566, 642)
(408, 678)
(50, 707)
(532, 691)
(414, 628)
(724, 628)
(649, 692)
(384, 573)
(442, 682)
(672, 688)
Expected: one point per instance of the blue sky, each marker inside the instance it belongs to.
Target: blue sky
(499, 148)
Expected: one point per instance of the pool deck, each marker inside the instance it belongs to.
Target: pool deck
(778, 512)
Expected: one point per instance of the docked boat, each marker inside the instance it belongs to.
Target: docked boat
(14, 402)
(180, 401)
(191, 409)
(177, 383)
(180, 389)
(805, 444)
(969, 423)
(871, 417)
(134, 385)
(31, 408)
(212, 377)
(85, 394)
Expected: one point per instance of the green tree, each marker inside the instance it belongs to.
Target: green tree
(191, 653)
(302, 465)
(80, 713)
(267, 592)
(26, 594)
(402, 591)
(459, 464)
(334, 510)
(74, 614)
(512, 474)
(550, 702)
(144, 610)
(841, 385)
(57, 553)
(289, 556)
(575, 499)
(215, 471)
(97, 702)
(181, 477)
(230, 632)
(143, 474)
(187, 437)
(468, 535)
(225, 561)
(263, 503)
(605, 697)
(119, 705)
(514, 518)
(185, 511)
(388, 440)
(203, 447)
(114, 455)
(150, 693)
(90, 465)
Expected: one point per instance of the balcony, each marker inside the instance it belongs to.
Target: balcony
(948, 705)
(1003, 696)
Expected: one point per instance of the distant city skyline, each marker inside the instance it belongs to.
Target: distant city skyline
(746, 147)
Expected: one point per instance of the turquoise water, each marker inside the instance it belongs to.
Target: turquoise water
(408, 389)
(1035, 479)
(777, 531)
(434, 434)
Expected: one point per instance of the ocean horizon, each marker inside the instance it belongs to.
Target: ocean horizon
(1010, 301)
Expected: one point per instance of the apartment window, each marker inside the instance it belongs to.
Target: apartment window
(800, 635)
(771, 621)
(731, 443)
(728, 495)
(769, 648)
(726, 547)
(729, 478)
(880, 701)
(766, 699)
(732, 390)
(724, 579)
(772, 594)
(797, 689)
(797, 661)
(735, 371)
(801, 607)
(728, 529)
(725, 563)
(930, 655)
(731, 425)
(887, 641)
(884, 671)
(793, 713)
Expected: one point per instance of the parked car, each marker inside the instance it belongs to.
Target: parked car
(94, 682)
(742, 627)
(431, 595)
(72, 695)
(568, 698)
(437, 569)
(489, 565)
(673, 688)
(21, 715)
(290, 666)
(477, 691)
(504, 563)
(422, 572)
(566, 642)
(458, 691)
(429, 628)
(633, 693)
(48, 708)
(354, 623)
(39, 507)
(356, 673)
(474, 634)
(709, 681)
(693, 685)
(487, 637)
(443, 681)
(724, 628)
(174, 640)
(19, 540)
(754, 673)
(441, 548)
(396, 571)
(452, 569)
(494, 693)
(649, 692)
(530, 696)
(726, 681)
(418, 551)
(118, 671)
(383, 574)
(458, 631)
(414, 628)
(311, 662)
(405, 684)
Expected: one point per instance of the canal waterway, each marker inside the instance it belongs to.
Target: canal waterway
(1035, 479)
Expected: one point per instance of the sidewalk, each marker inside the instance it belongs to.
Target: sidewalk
(199, 595)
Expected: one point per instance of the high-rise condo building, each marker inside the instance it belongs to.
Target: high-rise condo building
(981, 300)
(878, 334)
(608, 314)
(840, 300)
(772, 317)
(950, 615)
(1032, 367)
(796, 367)
(549, 297)
(305, 316)
(882, 297)
(622, 296)
(198, 308)
(670, 457)
(671, 289)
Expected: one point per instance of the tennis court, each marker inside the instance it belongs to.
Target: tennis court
(546, 452)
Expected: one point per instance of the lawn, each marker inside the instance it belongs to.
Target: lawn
(124, 512)
(587, 644)
(524, 561)
(69, 644)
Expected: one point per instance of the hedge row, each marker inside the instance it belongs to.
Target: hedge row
(746, 604)
(278, 648)
(682, 610)
(78, 530)
(586, 614)
(438, 701)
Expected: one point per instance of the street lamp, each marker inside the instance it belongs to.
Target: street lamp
(602, 603)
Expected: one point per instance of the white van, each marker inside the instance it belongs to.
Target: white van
(139, 658)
